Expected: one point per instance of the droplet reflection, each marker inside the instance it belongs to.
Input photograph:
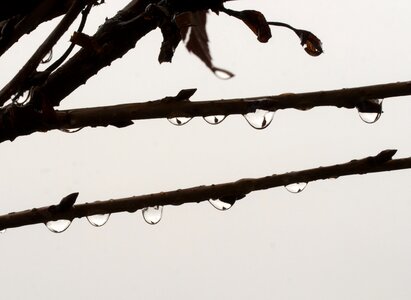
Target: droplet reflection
(179, 121)
(220, 205)
(371, 117)
(58, 226)
(48, 57)
(296, 187)
(259, 119)
(214, 120)
(98, 220)
(152, 215)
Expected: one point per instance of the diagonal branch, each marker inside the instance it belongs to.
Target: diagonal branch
(15, 85)
(234, 190)
(18, 121)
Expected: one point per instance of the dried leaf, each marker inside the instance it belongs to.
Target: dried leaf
(256, 21)
(312, 44)
(197, 41)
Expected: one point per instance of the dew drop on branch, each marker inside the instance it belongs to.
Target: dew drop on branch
(214, 120)
(58, 226)
(98, 220)
(296, 187)
(220, 205)
(371, 117)
(152, 215)
(179, 121)
(49, 56)
(259, 119)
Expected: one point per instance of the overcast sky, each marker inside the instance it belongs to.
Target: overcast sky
(341, 239)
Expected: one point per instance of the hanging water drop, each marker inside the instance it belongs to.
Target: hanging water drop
(58, 226)
(98, 220)
(214, 120)
(259, 119)
(49, 56)
(220, 205)
(371, 117)
(152, 215)
(179, 121)
(222, 74)
(296, 187)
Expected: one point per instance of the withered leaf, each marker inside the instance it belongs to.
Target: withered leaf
(256, 21)
(193, 25)
(312, 44)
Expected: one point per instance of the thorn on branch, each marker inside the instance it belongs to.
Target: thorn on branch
(65, 204)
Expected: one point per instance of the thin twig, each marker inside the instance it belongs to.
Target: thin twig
(379, 163)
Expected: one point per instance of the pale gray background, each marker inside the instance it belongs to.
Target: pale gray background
(342, 239)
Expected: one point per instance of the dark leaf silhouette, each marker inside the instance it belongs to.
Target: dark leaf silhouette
(312, 44)
(192, 27)
(255, 20)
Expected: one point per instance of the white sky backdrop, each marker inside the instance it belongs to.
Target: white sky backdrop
(342, 239)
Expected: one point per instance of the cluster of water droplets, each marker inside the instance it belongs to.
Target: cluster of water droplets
(371, 117)
(296, 187)
(152, 215)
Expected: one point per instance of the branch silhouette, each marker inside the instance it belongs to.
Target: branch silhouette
(18, 121)
(233, 190)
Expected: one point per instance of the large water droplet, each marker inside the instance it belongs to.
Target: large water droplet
(98, 220)
(214, 120)
(259, 119)
(220, 205)
(48, 57)
(2, 231)
(152, 215)
(296, 187)
(178, 121)
(371, 117)
(58, 226)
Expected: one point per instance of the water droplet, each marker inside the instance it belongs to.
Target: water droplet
(152, 215)
(214, 120)
(296, 187)
(371, 117)
(2, 231)
(178, 121)
(259, 119)
(58, 226)
(222, 74)
(220, 205)
(98, 220)
(70, 130)
(22, 99)
(49, 56)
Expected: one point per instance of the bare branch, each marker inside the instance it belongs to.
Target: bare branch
(22, 17)
(30, 67)
(238, 189)
(18, 121)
